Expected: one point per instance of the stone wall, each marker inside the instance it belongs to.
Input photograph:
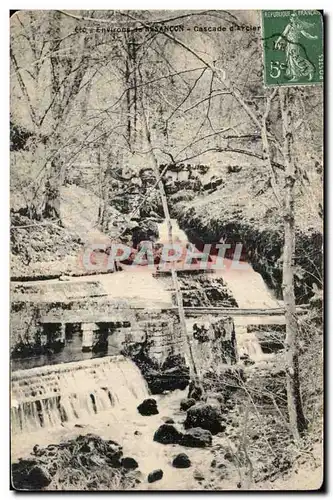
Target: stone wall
(34, 326)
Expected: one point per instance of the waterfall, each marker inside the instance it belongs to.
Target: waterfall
(50, 395)
(178, 234)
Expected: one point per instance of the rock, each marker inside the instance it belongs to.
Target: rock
(114, 459)
(197, 438)
(39, 478)
(167, 434)
(215, 398)
(181, 461)
(167, 380)
(185, 404)
(129, 463)
(194, 391)
(198, 476)
(147, 231)
(168, 420)
(156, 475)
(148, 407)
(114, 454)
(206, 416)
(137, 433)
(228, 456)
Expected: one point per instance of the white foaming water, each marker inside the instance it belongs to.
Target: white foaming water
(178, 235)
(49, 395)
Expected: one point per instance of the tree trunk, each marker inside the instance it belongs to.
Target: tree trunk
(295, 409)
(193, 369)
(51, 208)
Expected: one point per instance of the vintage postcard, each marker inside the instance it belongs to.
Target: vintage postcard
(166, 250)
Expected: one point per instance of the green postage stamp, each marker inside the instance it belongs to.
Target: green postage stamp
(293, 47)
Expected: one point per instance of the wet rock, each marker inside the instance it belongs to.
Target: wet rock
(155, 475)
(173, 374)
(114, 459)
(206, 416)
(147, 231)
(181, 461)
(197, 438)
(167, 434)
(39, 478)
(148, 407)
(129, 463)
(168, 420)
(185, 404)
(35, 449)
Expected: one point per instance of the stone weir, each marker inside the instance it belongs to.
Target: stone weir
(51, 395)
(54, 322)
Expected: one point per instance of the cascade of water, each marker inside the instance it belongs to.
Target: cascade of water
(247, 343)
(49, 395)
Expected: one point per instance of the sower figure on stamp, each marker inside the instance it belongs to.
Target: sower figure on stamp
(298, 65)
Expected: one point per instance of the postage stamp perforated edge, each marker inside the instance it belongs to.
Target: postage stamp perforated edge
(284, 82)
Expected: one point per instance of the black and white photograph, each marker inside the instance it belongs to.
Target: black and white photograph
(166, 250)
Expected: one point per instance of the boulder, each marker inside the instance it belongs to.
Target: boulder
(167, 434)
(181, 461)
(198, 476)
(185, 404)
(156, 475)
(148, 407)
(39, 478)
(197, 438)
(206, 416)
(129, 463)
